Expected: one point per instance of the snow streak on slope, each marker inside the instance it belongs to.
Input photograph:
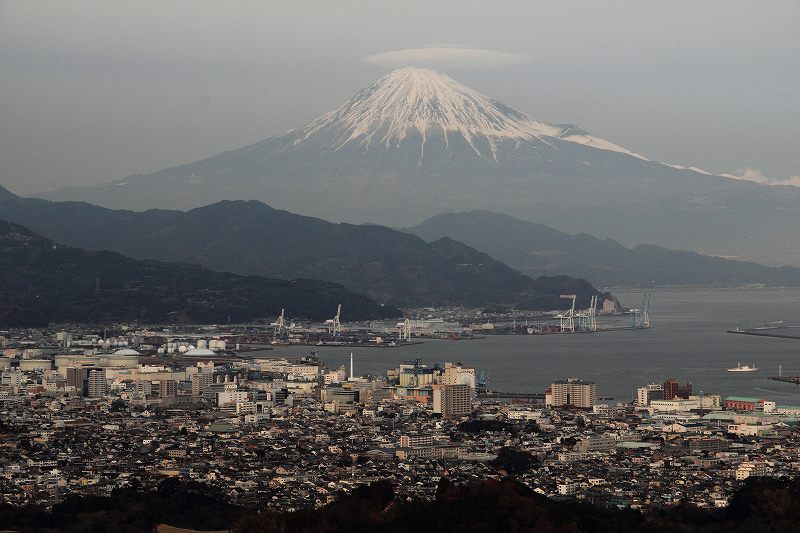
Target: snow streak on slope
(579, 136)
(422, 102)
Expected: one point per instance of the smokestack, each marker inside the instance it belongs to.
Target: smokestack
(352, 377)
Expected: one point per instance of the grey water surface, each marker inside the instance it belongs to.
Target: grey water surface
(687, 341)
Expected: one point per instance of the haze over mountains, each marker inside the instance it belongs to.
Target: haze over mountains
(251, 238)
(388, 265)
(417, 143)
(43, 282)
(536, 250)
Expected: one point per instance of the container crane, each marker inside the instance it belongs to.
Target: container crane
(279, 326)
(587, 320)
(567, 319)
(334, 325)
(640, 318)
(405, 330)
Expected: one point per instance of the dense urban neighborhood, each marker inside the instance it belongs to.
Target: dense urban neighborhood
(84, 415)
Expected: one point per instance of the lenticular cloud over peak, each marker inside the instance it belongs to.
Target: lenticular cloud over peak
(444, 56)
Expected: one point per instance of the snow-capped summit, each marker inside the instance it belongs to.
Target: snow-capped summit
(417, 143)
(420, 103)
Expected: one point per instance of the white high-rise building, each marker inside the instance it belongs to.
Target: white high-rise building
(644, 395)
(573, 393)
(452, 401)
(455, 374)
(98, 384)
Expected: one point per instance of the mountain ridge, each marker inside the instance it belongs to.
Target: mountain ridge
(537, 249)
(251, 238)
(44, 282)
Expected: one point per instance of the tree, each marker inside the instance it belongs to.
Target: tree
(118, 405)
(514, 461)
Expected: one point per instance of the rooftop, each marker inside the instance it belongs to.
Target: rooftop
(573, 381)
(743, 399)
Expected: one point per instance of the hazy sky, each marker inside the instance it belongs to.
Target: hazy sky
(95, 91)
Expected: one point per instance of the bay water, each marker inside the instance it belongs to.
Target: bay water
(688, 341)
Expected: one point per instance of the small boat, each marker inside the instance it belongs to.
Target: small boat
(743, 368)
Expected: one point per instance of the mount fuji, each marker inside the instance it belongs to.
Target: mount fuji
(417, 143)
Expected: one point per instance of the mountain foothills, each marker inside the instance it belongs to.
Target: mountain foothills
(251, 238)
(43, 282)
(417, 143)
(536, 250)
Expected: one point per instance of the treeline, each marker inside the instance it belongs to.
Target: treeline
(761, 505)
(189, 504)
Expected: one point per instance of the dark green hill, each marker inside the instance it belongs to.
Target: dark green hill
(760, 505)
(537, 249)
(251, 238)
(43, 282)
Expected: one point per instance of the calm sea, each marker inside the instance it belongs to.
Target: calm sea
(688, 341)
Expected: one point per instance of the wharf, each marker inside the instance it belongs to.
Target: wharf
(780, 332)
(600, 329)
(489, 394)
(351, 344)
(218, 359)
(621, 328)
(786, 379)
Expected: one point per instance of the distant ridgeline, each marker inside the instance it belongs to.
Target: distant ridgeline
(537, 249)
(43, 282)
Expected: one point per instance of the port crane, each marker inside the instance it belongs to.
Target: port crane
(334, 325)
(566, 320)
(640, 318)
(279, 326)
(587, 320)
(405, 330)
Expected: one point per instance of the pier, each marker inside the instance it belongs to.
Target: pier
(777, 331)
(490, 394)
(786, 379)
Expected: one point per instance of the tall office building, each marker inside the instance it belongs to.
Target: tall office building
(673, 390)
(648, 393)
(77, 376)
(201, 381)
(97, 385)
(452, 401)
(167, 388)
(455, 374)
(573, 393)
